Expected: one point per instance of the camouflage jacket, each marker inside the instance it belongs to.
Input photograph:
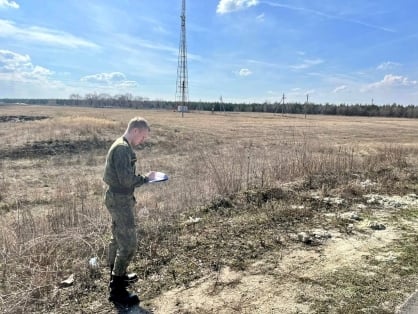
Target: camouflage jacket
(120, 167)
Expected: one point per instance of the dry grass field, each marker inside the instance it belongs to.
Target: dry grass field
(262, 213)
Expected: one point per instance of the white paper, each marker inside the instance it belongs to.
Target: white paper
(159, 176)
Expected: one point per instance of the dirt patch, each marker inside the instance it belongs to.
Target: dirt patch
(278, 284)
(56, 147)
(21, 118)
(281, 283)
(295, 279)
(234, 292)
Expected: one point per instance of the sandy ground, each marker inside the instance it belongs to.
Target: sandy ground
(274, 285)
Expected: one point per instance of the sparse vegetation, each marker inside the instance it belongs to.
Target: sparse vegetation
(242, 188)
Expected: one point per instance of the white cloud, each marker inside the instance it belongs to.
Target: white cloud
(298, 92)
(328, 16)
(339, 89)
(264, 64)
(114, 79)
(8, 3)
(388, 65)
(155, 46)
(127, 84)
(9, 29)
(390, 80)
(107, 78)
(10, 59)
(227, 6)
(307, 64)
(260, 18)
(19, 68)
(19, 77)
(244, 72)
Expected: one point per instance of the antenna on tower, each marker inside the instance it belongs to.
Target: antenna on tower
(182, 90)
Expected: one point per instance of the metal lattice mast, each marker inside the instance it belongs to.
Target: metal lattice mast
(182, 91)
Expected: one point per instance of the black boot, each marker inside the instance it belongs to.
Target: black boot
(119, 294)
(128, 277)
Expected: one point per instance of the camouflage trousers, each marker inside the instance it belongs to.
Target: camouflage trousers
(122, 246)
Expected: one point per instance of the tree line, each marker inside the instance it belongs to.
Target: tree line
(136, 102)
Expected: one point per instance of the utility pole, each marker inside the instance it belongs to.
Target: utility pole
(221, 105)
(307, 102)
(283, 98)
(277, 105)
(182, 90)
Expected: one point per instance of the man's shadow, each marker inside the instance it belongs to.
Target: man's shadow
(130, 309)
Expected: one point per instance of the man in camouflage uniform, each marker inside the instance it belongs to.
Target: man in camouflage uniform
(120, 176)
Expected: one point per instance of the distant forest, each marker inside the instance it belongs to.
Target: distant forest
(127, 101)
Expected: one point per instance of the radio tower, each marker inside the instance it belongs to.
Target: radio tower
(182, 91)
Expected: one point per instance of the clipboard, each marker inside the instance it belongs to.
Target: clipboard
(159, 177)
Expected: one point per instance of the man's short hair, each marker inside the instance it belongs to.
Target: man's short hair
(138, 123)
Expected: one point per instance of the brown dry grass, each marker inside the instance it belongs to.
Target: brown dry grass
(225, 168)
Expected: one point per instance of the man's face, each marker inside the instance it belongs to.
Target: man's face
(140, 135)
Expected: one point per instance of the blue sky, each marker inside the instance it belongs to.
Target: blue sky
(349, 51)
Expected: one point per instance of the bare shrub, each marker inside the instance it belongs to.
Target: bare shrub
(4, 186)
(238, 168)
(41, 249)
(60, 128)
(387, 156)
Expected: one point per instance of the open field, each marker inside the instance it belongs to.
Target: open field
(262, 213)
